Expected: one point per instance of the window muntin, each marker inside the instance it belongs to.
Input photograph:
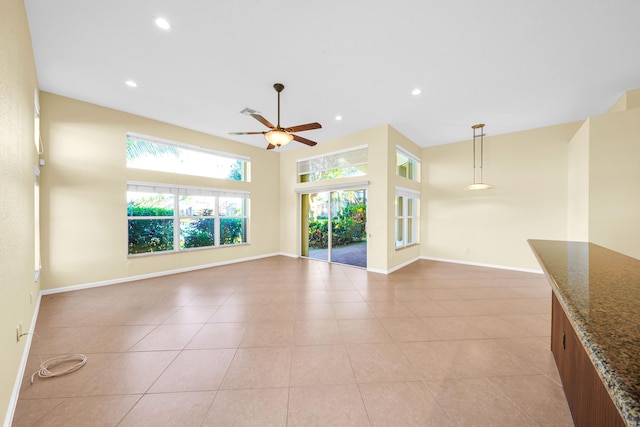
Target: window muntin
(407, 212)
(342, 164)
(164, 156)
(407, 165)
(168, 218)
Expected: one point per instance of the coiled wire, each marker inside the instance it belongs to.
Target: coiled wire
(46, 366)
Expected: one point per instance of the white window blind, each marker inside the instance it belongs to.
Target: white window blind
(185, 191)
(337, 160)
(407, 154)
(406, 192)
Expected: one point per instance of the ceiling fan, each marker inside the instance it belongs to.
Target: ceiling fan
(279, 136)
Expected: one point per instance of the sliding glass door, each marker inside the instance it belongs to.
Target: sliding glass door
(334, 227)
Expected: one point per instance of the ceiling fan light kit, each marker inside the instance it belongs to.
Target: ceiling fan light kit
(279, 136)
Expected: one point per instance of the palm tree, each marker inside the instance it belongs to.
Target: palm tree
(137, 148)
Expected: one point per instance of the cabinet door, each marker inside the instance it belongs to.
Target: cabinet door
(588, 399)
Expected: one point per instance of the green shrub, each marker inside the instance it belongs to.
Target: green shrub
(150, 235)
(348, 226)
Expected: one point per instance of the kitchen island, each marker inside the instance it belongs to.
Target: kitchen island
(595, 337)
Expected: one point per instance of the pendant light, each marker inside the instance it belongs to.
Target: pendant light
(478, 185)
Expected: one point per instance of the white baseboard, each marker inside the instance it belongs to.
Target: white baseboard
(288, 255)
(23, 366)
(151, 275)
(391, 270)
(479, 264)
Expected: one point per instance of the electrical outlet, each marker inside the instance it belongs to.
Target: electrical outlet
(18, 332)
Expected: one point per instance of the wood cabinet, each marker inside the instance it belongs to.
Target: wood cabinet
(588, 399)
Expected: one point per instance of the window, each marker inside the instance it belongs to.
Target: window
(342, 164)
(36, 121)
(407, 165)
(407, 212)
(233, 221)
(36, 186)
(149, 153)
(164, 218)
(36, 223)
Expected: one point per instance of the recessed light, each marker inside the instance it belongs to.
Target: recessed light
(131, 83)
(163, 24)
(338, 117)
(416, 92)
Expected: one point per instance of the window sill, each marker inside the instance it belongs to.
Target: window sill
(183, 250)
(399, 248)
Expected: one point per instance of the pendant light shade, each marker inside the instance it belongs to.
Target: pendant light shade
(478, 185)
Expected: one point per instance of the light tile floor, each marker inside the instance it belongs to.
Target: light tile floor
(284, 341)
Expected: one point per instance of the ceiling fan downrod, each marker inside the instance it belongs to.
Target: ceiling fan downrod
(279, 87)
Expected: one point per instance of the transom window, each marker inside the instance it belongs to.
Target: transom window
(164, 218)
(340, 164)
(144, 152)
(407, 213)
(407, 165)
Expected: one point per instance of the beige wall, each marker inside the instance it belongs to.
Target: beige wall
(578, 185)
(376, 139)
(381, 141)
(528, 172)
(534, 174)
(627, 101)
(614, 174)
(18, 158)
(84, 195)
(399, 257)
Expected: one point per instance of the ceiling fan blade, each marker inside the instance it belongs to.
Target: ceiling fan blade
(304, 140)
(262, 120)
(247, 133)
(270, 146)
(300, 128)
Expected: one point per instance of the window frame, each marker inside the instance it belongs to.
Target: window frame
(407, 216)
(332, 161)
(37, 243)
(177, 191)
(192, 149)
(414, 170)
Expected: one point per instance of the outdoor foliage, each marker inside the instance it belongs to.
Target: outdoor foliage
(348, 227)
(318, 234)
(235, 172)
(150, 235)
(157, 234)
(199, 232)
(231, 231)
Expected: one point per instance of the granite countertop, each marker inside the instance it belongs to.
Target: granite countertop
(599, 290)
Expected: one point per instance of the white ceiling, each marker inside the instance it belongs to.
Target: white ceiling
(512, 64)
